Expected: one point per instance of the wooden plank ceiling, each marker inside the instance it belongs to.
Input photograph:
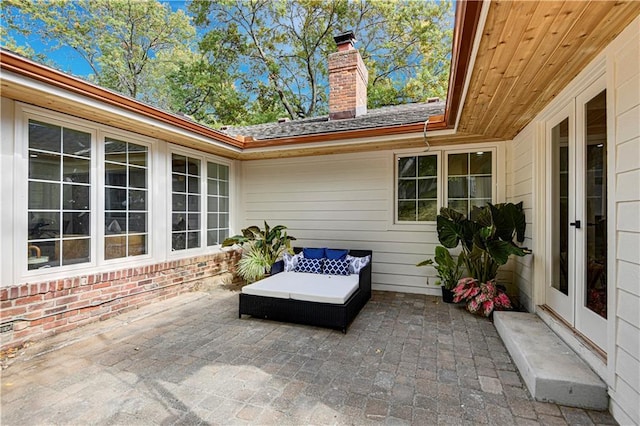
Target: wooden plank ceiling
(529, 51)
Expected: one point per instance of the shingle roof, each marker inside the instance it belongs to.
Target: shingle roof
(379, 117)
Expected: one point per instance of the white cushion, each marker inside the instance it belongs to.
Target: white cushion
(334, 289)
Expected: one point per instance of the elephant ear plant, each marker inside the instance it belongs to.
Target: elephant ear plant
(261, 249)
(487, 242)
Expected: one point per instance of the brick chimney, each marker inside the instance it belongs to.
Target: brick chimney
(348, 79)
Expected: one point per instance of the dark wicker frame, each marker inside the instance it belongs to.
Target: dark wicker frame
(310, 313)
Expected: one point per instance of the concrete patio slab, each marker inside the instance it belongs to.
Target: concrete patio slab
(406, 359)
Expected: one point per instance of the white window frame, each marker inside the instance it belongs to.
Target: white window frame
(445, 171)
(396, 179)
(203, 158)
(20, 273)
(151, 202)
(498, 166)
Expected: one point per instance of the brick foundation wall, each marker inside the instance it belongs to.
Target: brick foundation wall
(33, 311)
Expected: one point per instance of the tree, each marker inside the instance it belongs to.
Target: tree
(285, 44)
(124, 42)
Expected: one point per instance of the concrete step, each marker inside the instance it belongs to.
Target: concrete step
(551, 370)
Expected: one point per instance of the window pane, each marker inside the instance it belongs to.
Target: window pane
(458, 187)
(212, 238)
(223, 204)
(115, 247)
(178, 241)
(461, 206)
(427, 165)
(75, 224)
(179, 163)
(194, 185)
(137, 200)
(212, 204)
(428, 188)
(458, 164)
(407, 167)
(46, 137)
(137, 222)
(212, 220)
(75, 197)
(178, 222)
(406, 189)
(44, 225)
(407, 211)
(212, 187)
(44, 196)
(75, 251)
(223, 172)
(224, 188)
(179, 183)
(43, 254)
(77, 143)
(115, 175)
(115, 199)
(137, 245)
(193, 239)
(194, 203)
(76, 170)
(193, 166)
(193, 221)
(115, 223)
(224, 220)
(480, 187)
(137, 177)
(44, 166)
(427, 210)
(480, 163)
(212, 170)
(137, 155)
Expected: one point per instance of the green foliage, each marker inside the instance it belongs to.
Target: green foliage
(253, 61)
(285, 44)
(488, 241)
(262, 248)
(449, 270)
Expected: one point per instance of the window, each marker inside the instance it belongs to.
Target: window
(125, 199)
(217, 203)
(59, 186)
(185, 218)
(417, 189)
(469, 181)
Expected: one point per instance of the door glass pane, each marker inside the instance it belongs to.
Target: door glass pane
(560, 201)
(596, 204)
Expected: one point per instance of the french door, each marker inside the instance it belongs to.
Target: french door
(577, 235)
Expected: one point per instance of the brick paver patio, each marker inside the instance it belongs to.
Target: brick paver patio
(407, 359)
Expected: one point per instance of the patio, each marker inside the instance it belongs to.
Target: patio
(406, 359)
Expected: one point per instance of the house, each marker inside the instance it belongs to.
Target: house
(109, 204)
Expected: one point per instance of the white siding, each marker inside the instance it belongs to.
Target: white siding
(624, 67)
(341, 201)
(520, 187)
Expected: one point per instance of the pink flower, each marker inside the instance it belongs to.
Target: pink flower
(502, 300)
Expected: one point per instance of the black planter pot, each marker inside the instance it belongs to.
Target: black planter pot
(447, 295)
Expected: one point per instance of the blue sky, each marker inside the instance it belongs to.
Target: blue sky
(67, 59)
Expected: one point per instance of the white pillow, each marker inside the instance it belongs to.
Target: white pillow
(291, 261)
(357, 263)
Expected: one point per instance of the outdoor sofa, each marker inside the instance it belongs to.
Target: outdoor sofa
(318, 299)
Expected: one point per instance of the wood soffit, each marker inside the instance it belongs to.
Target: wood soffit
(530, 51)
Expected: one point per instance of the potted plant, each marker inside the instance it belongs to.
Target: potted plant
(449, 271)
(487, 242)
(261, 249)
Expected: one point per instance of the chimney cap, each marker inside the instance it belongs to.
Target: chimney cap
(346, 37)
